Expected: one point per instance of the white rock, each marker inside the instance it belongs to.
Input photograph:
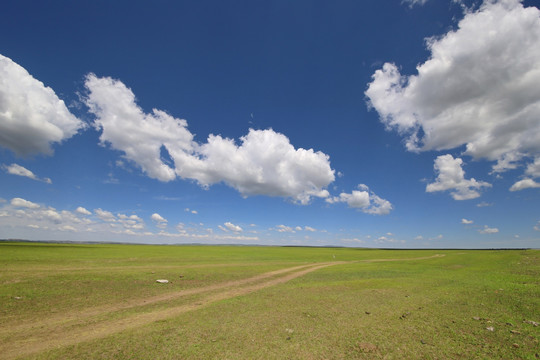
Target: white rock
(162, 281)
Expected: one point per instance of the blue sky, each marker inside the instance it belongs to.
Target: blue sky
(350, 123)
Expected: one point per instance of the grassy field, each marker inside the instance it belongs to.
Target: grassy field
(65, 301)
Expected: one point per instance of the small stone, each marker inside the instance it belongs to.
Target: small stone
(290, 331)
(515, 345)
(476, 318)
(17, 297)
(423, 342)
(490, 328)
(509, 324)
(533, 323)
(368, 313)
(515, 332)
(288, 338)
(162, 281)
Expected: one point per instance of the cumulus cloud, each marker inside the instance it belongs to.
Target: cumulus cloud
(105, 215)
(364, 200)
(479, 88)
(160, 221)
(284, 228)
(488, 230)
(32, 117)
(466, 222)
(264, 162)
(450, 176)
(16, 169)
(524, 184)
(18, 202)
(82, 211)
(234, 228)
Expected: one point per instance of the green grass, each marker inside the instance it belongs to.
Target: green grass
(437, 308)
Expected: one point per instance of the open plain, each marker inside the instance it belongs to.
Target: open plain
(102, 301)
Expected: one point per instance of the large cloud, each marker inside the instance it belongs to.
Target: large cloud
(32, 117)
(450, 176)
(479, 88)
(264, 163)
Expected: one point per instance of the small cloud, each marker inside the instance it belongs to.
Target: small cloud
(283, 228)
(412, 3)
(298, 228)
(233, 228)
(484, 204)
(525, 184)
(466, 222)
(419, 237)
(488, 230)
(160, 221)
(537, 226)
(364, 200)
(67, 228)
(309, 228)
(18, 202)
(16, 169)
(82, 211)
(105, 215)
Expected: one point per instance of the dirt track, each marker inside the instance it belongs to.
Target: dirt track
(75, 327)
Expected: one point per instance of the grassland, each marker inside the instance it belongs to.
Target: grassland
(65, 301)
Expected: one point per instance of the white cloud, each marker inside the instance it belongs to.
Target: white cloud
(524, 184)
(264, 163)
(160, 221)
(488, 230)
(82, 211)
(414, 2)
(284, 228)
(309, 228)
(479, 88)
(484, 204)
(537, 226)
(16, 169)
(533, 169)
(131, 222)
(105, 215)
(450, 176)
(32, 117)
(365, 200)
(232, 227)
(466, 222)
(18, 202)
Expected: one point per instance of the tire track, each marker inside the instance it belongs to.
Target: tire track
(76, 316)
(76, 327)
(63, 335)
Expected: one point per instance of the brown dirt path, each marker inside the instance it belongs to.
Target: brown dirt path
(77, 327)
(76, 316)
(61, 335)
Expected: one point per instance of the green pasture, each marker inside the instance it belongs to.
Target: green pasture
(467, 304)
